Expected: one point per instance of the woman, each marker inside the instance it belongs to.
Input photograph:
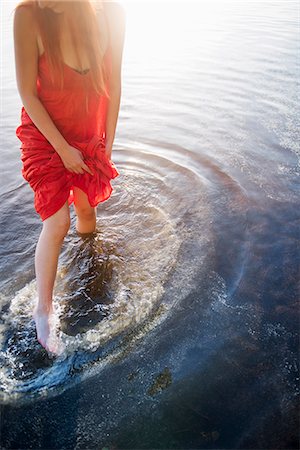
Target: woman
(68, 57)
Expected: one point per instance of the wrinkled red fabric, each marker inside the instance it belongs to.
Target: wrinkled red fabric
(42, 166)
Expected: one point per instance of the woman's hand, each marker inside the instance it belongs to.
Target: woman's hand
(73, 161)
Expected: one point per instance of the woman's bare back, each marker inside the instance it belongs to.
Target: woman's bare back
(67, 49)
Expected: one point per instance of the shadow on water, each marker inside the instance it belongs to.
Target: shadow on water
(86, 285)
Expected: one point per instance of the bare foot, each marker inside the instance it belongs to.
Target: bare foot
(44, 324)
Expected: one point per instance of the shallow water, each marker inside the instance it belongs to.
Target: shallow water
(179, 318)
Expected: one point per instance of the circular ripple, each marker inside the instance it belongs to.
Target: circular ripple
(110, 290)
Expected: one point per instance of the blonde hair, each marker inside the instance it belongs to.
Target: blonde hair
(84, 29)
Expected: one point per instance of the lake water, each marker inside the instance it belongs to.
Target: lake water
(180, 319)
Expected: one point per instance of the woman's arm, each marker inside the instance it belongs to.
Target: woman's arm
(115, 14)
(26, 62)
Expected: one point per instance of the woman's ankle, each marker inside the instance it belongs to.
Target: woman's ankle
(90, 234)
(43, 309)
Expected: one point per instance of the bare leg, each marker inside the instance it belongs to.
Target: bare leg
(85, 213)
(46, 260)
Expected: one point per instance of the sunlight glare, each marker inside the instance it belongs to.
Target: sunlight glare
(156, 27)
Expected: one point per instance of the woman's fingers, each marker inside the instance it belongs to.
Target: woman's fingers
(85, 167)
(75, 162)
(80, 169)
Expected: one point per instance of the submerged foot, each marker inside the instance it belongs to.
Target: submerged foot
(44, 327)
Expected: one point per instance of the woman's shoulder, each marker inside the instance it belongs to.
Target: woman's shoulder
(114, 10)
(25, 21)
(113, 4)
(26, 6)
(116, 17)
(110, 9)
(24, 12)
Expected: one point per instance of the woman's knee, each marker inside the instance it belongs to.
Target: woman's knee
(83, 209)
(59, 223)
(85, 212)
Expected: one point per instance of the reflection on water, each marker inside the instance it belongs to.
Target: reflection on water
(181, 310)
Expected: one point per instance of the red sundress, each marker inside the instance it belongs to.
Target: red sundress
(42, 166)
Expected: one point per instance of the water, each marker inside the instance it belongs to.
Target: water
(180, 318)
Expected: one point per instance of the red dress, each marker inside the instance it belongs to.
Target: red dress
(42, 166)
